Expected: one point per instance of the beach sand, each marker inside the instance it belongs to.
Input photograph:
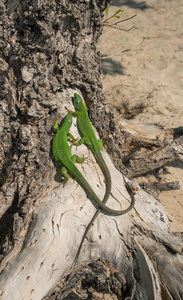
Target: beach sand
(144, 66)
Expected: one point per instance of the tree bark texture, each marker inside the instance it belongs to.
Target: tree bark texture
(48, 49)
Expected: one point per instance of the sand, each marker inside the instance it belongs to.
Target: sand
(144, 66)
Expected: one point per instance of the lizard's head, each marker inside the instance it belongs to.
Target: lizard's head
(79, 104)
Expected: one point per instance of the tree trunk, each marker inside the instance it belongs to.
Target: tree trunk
(48, 51)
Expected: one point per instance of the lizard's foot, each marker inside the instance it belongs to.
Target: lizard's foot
(55, 126)
(69, 110)
(86, 158)
(63, 182)
(73, 143)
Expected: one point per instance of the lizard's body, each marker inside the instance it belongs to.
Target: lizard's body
(64, 157)
(89, 137)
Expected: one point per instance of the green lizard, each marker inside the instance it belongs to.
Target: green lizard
(64, 157)
(89, 137)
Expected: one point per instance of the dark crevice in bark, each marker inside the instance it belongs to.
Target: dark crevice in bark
(6, 225)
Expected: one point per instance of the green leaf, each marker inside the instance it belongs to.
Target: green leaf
(118, 17)
(107, 10)
(119, 12)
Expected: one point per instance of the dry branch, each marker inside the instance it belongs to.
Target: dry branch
(158, 158)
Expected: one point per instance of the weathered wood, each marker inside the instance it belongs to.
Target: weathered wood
(165, 186)
(59, 223)
(149, 147)
(156, 159)
(155, 188)
(95, 280)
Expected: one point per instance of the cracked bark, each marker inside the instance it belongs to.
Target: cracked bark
(48, 48)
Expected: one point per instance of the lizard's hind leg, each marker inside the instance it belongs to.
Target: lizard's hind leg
(64, 174)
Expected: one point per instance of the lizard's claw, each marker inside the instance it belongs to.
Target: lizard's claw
(62, 182)
(68, 109)
(73, 142)
(87, 158)
(65, 182)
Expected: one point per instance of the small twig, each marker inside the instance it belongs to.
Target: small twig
(125, 19)
(126, 50)
(115, 15)
(122, 29)
(104, 57)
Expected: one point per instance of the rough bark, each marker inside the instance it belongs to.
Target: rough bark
(48, 49)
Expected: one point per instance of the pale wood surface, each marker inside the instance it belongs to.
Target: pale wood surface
(59, 223)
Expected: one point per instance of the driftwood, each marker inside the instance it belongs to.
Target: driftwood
(166, 147)
(155, 188)
(49, 51)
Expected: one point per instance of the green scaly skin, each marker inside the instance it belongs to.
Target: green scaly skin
(64, 157)
(89, 137)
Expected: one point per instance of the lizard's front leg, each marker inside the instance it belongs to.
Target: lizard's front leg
(75, 158)
(83, 140)
(55, 126)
